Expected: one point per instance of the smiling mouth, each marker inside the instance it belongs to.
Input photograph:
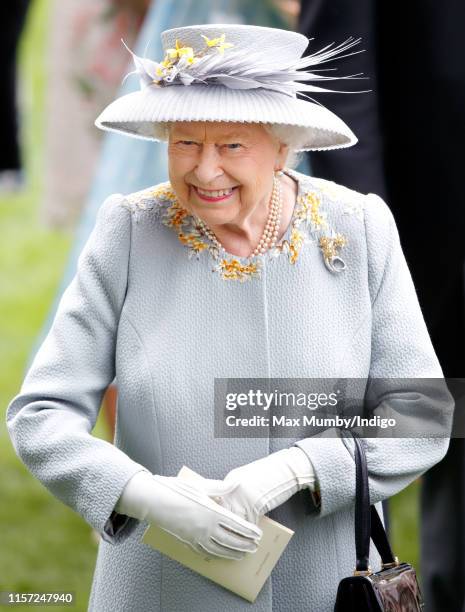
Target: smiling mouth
(214, 194)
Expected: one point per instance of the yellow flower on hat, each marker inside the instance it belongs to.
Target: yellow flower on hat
(218, 43)
(188, 53)
(180, 51)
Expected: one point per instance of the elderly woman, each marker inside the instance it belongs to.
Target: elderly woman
(237, 267)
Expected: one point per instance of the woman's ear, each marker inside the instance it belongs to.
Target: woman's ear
(281, 157)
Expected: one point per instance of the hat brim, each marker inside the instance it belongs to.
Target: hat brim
(144, 113)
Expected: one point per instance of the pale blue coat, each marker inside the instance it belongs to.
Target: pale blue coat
(166, 326)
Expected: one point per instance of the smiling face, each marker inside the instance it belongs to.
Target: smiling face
(223, 172)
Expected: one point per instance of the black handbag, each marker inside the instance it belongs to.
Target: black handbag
(393, 589)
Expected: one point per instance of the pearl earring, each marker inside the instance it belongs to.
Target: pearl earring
(279, 173)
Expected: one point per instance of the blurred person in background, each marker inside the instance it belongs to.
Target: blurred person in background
(416, 67)
(12, 16)
(82, 35)
(361, 167)
(423, 95)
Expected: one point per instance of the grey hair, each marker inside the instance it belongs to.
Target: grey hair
(290, 135)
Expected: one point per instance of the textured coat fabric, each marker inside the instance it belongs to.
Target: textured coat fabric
(166, 326)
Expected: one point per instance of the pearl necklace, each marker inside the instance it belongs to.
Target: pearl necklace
(270, 233)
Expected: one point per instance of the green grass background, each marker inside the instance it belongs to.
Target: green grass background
(45, 545)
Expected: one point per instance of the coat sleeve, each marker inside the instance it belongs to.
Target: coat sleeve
(51, 419)
(401, 350)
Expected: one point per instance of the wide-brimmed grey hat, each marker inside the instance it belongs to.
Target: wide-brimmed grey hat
(231, 73)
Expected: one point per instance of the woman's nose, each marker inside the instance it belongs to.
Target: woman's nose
(208, 165)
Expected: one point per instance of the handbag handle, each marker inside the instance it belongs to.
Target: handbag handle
(367, 521)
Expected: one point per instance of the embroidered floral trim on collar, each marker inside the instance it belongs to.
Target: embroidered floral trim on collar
(309, 224)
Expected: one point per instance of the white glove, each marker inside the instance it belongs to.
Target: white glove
(186, 511)
(267, 483)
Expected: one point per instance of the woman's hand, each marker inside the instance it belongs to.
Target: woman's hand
(186, 511)
(262, 485)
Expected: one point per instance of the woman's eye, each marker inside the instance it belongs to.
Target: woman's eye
(187, 142)
(234, 145)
